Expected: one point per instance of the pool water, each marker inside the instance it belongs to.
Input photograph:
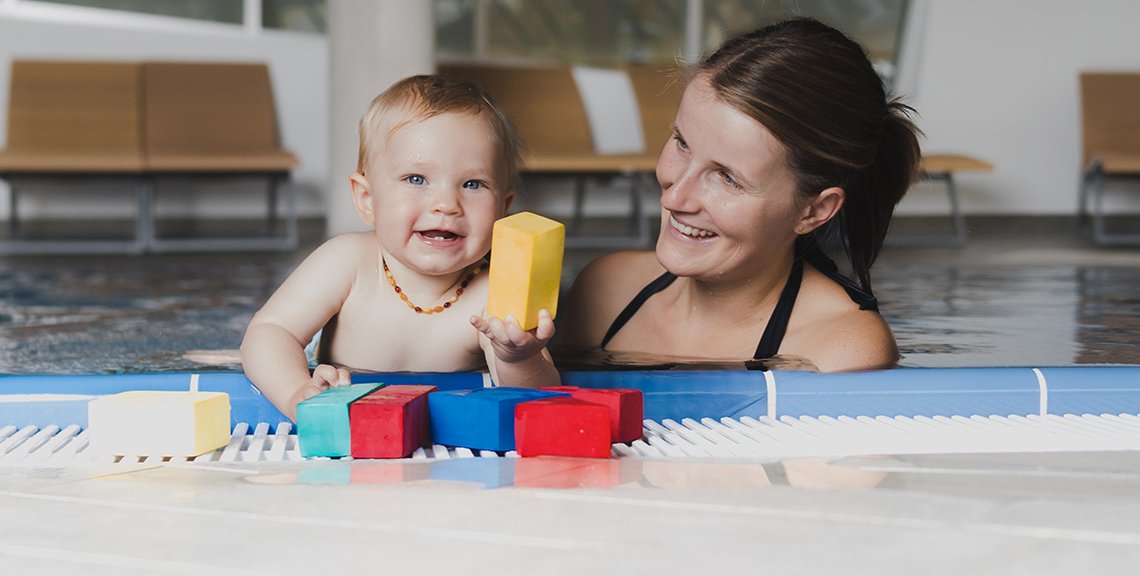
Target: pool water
(112, 314)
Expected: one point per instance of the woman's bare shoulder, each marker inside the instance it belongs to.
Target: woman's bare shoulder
(601, 290)
(838, 336)
(618, 268)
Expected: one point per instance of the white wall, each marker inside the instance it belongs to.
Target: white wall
(373, 45)
(998, 79)
(298, 65)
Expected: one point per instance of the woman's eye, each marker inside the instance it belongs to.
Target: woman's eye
(415, 180)
(728, 179)
(473, 184)
(681, 142)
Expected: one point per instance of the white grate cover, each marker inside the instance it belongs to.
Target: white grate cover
(724, 438)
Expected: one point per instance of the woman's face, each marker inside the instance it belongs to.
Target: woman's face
(728, 200)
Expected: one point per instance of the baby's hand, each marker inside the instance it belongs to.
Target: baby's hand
(324, 377)
(510, 341)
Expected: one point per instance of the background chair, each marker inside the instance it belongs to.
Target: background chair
(1110, 135)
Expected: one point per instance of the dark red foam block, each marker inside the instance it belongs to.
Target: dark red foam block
(562, 427)
(391, 422)
(627, 408)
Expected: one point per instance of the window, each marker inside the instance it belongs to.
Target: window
(574, 31)
(296, 15)
(876, 24)
(614, 32)
(226, 11)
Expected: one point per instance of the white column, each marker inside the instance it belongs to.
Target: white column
(372, 44)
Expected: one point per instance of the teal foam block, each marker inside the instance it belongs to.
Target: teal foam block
(482, 419)
(322, 421)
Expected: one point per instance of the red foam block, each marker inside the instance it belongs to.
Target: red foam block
(627, 408)
(390, 422)
(562, 427)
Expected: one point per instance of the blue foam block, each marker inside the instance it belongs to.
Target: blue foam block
(322, 421)
(482, 419)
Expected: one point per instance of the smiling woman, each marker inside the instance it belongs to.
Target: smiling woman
(762, 157)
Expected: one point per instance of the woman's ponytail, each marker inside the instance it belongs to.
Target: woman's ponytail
(881, 185)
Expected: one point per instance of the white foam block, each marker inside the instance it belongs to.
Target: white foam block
(159, 423)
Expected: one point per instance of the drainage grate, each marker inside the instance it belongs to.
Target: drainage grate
(787, 437)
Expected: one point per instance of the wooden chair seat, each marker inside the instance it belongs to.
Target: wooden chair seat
(266, 162)
(15, 162)
(1113, 162)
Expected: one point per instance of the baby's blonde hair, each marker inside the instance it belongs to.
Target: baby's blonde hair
(421, 97)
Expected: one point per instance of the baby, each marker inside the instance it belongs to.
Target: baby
(436, 168)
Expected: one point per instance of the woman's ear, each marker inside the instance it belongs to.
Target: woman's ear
(362, 197)
(821, 209)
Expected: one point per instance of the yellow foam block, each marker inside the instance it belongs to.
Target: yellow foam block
(159, 423)
(526, 267)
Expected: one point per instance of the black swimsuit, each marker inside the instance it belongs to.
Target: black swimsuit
(778, 323)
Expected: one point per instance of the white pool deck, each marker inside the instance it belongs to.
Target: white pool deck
(260, 510)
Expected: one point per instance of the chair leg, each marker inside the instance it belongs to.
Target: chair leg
(1100, 235)
(955, 211)
(13, 215)
(144, 217)
(271, 204)
(579, 203)
(291, 235)
(1082, 200)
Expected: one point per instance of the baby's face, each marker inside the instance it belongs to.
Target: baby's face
(438, 185)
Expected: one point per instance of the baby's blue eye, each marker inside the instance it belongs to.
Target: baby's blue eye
(415, 180)
(472, 184)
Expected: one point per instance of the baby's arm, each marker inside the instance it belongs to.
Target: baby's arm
(516, 357)
(273, 350)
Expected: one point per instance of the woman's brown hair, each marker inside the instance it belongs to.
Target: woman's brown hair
(816, 91)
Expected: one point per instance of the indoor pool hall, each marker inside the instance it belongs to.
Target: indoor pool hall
(168, 168)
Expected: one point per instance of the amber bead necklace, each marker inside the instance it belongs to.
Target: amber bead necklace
(435, 309)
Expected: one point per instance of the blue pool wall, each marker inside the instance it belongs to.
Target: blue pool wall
(61, 400)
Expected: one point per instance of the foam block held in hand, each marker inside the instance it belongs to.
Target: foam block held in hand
(390, 422)
(159, 423)
(526, 267)
(481, 419)
(322, 421)
(562, 427)
(627, 408)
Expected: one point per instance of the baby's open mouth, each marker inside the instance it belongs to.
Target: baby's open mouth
(440, 235)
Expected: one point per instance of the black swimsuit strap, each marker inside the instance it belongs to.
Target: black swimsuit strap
(657, 285)
(778, 322)
(773, 332)
(827, 266)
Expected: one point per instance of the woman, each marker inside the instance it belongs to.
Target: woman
(779, 132)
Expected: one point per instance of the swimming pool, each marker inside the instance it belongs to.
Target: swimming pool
(64, 315)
